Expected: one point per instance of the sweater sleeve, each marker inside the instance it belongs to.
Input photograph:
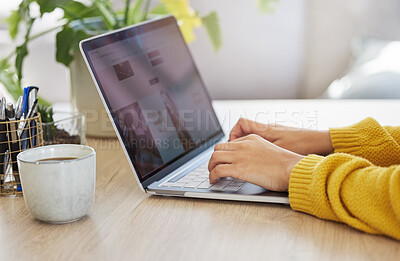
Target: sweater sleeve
(369, 140)
(394, 132)
(348, 189)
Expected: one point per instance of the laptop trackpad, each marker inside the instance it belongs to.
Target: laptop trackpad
(251, 189)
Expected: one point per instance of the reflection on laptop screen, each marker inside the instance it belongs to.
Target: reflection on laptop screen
(154, 93)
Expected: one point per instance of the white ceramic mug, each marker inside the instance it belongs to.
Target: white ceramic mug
(58, 191)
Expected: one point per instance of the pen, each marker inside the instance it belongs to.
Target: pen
(33, 95)
(22, 124)
(27, 102)
(14, 139)
(18, 114)
(22, 128)
(24, 108)
(3, 139)
(18, 108)
(8, 177)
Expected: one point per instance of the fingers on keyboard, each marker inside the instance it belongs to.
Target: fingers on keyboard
(198, 179)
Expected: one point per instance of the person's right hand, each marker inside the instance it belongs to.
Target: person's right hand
(300, 141)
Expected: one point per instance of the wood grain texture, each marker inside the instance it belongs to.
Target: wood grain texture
(127, 224)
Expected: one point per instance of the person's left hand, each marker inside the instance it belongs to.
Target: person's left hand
(253, 159)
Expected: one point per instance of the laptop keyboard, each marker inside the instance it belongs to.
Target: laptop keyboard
(198, 179)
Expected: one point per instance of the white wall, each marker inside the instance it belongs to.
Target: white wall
(41, 69)
(331, 27)
(262, 54)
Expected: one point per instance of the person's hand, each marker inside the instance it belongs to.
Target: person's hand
(297, 140)
(253, 159)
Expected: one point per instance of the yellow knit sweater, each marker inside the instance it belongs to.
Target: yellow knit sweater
(358, 185)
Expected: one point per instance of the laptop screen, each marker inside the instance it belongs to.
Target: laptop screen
(154, 93)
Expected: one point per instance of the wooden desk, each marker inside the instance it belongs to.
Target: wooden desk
(126, 224)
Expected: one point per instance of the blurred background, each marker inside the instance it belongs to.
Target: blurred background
(300, 49)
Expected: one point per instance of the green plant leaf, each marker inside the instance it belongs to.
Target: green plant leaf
(21, 52)
(4, 64)
(135, 13)
(48, 6)
(67, 41)
(63, 43)
(187, 18)
(106, 13)
(9, 79)
(77, 10)
(46, 112)
(159, 9)
(211, 23)
(74, 7)
(13, 22)
(78, 36)
(267, 6)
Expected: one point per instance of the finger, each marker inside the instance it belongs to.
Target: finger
(225, 146)
(241, 128)
(244, 138)
(230, 146)
(245, 127)
(221, 171)
(220, 157)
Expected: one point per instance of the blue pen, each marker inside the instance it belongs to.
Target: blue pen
(25, 101)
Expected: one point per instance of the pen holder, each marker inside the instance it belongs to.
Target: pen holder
(16, 136)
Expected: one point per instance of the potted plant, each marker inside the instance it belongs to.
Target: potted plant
(82, 20)
(62, 127)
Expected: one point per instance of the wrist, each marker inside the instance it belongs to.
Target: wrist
(324, 143)
(291, 163)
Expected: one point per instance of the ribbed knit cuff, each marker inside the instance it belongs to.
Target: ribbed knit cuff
(351, 139)
(345, 140)
(300, 192)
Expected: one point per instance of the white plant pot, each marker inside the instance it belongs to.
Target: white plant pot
(86, 99)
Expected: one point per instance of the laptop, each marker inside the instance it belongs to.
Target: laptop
(162, 113)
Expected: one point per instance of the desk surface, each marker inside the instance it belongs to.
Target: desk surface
(127, 224)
